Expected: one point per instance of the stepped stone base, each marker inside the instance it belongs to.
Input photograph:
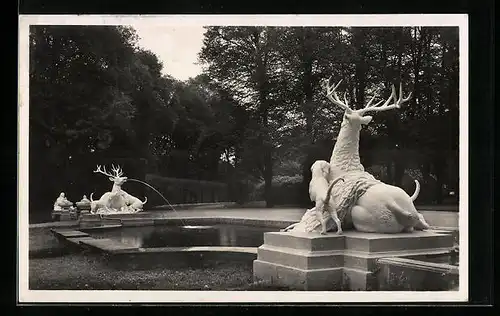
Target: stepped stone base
(310, 261)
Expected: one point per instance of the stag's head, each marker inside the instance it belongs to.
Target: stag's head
(115, 177)
(358, 117)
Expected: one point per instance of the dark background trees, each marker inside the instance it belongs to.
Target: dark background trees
(255, 118)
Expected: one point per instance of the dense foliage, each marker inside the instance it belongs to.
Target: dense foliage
(255, 116)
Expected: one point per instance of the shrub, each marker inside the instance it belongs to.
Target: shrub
(285, 190)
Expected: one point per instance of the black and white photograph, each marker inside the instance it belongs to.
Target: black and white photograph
(226, 158)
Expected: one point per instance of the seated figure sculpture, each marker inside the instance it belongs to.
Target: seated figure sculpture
(62, 203)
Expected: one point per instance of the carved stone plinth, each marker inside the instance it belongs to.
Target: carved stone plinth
(62, 215)
(84, 212)
(310, 261)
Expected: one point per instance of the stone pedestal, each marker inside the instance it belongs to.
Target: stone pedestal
(64, 215)
(84, 212)
(310, 261)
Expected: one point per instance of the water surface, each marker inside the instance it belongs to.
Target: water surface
(185, 236)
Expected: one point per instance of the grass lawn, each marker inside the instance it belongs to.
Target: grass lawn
(90, 272)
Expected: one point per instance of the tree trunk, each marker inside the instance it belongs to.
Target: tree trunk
(308, 95)
(399, 168)
(390, 178)
(425, 197)
(399, 137)
(268, 179)
(361, 66)
(307, 88)
(439, 165)
(442, 86)
(267, 161)
(266, 145)
(416, 57)
(428, 79)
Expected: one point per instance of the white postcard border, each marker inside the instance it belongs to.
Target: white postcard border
(35, 296)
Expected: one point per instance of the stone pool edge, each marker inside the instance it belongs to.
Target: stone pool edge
(89, 221)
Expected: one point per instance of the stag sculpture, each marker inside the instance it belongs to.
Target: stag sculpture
(373, 205)
(361, 200)
(117, 200)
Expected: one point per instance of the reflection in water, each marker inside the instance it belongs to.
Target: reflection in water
(182, 236)
(228, 236)
(135, 241)
(132, 236)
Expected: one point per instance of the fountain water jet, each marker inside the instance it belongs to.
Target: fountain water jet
(158, 192)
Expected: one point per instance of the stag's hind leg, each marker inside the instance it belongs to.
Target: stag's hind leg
(422, 224)
(406, 215)
(375, 220)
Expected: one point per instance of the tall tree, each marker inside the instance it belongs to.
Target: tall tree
(92, 93)
(75, 105)
(241, 60)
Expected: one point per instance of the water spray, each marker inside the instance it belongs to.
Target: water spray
(164, 198)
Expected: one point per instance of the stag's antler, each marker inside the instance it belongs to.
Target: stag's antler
(117, 170)
(384, 107)
(103, 171)
(331, 94)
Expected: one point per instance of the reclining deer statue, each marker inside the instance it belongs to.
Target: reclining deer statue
(117, 199)
(373, 205)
